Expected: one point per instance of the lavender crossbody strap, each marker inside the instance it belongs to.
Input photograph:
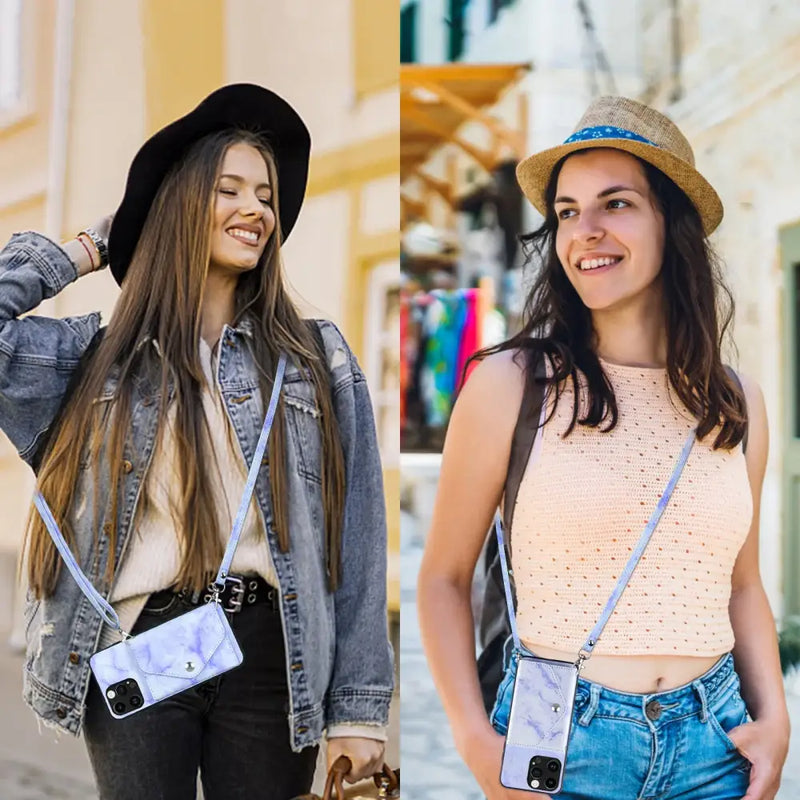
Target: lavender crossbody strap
(258, 457)
(101, 605)
(622, 582)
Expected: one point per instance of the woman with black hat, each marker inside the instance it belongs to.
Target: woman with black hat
(636, 522)
(142, 434)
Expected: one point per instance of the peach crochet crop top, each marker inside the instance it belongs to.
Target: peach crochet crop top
(582, 505)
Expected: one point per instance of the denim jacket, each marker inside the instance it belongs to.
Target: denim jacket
(339, 660)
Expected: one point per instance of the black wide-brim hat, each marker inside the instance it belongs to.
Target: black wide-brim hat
(241, 105)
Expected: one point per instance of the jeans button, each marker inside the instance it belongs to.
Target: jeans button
(653, 710)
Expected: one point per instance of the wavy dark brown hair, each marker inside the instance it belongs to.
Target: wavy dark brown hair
(160, 303)
(698, 310)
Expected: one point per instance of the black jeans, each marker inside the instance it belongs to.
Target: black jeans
(233, 728)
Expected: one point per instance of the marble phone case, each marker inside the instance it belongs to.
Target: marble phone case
(170, 658)
(539, 720)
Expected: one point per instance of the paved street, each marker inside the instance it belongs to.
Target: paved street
(43, 765)
(432, 769)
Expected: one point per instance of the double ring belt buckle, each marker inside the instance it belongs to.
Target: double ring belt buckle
(235, 588)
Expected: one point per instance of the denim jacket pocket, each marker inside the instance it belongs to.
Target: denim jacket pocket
(32, 608)
(302, 416)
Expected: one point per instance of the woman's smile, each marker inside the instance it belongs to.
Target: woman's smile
(594, 264)
(247, 234)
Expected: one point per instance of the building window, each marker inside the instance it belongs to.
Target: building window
(494, 8)
(382, 350)
(10, 36)
(408, 33)
(457, 29)
(796, 338)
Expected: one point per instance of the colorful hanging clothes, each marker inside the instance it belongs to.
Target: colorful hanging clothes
(469, 335)
(443, 322)
(405, 346)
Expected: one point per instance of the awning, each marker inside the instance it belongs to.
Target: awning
(436, 100)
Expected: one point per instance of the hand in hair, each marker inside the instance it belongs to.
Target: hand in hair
(103, 226)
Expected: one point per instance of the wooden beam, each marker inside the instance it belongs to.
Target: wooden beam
(499, 131)
(522, 118)
(414, 206)
(442, 188)
(469, 73)
(481, 156)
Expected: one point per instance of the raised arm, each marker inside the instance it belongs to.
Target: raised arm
(38, 354)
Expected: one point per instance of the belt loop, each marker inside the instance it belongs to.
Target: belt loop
(591, 709)
(700, 688)
(508, 651)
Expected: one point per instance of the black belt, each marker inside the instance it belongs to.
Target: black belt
(240, 591)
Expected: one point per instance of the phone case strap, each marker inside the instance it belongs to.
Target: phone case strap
(101, 605)
(622, 582)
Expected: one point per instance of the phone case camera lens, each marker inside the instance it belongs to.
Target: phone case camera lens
(536, 772)
(553, 766)
(122, 689)
(136, 701)
(551, 783)
(119, 708)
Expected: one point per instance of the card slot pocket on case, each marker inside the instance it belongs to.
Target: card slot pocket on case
(181, 647)
(541, 708)
(172, 657)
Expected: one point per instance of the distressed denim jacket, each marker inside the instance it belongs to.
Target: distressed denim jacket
(339, 660)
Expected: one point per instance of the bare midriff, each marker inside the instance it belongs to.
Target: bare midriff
(644, 674)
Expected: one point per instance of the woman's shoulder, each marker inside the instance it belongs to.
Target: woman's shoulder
(752, 390)
(493, 392)
(504, 366)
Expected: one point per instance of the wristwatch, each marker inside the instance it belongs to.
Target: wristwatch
(99, 244)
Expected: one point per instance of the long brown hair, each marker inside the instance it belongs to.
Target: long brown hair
(698, 310)
(160, 304)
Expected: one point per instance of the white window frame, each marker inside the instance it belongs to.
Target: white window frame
(383, 277)
(11, 67)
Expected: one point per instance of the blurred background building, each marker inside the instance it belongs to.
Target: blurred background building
(84, 82)
(485, 82)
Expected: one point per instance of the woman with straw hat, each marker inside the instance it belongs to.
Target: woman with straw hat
(145, 437)
(681, 696)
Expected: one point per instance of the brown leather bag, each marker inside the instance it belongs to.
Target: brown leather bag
(383, 784)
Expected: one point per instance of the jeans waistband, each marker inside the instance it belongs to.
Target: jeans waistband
(656, 708)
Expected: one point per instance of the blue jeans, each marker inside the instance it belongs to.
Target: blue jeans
(625, 747)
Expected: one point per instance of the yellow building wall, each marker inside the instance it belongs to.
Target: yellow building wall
(182, 38)
(376, 46)
(137, 65)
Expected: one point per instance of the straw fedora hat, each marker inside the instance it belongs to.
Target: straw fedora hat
(624, 124)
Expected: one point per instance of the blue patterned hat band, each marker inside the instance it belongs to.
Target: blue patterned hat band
(606, 132)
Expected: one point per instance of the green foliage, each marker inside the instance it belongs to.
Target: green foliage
(789, 645)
